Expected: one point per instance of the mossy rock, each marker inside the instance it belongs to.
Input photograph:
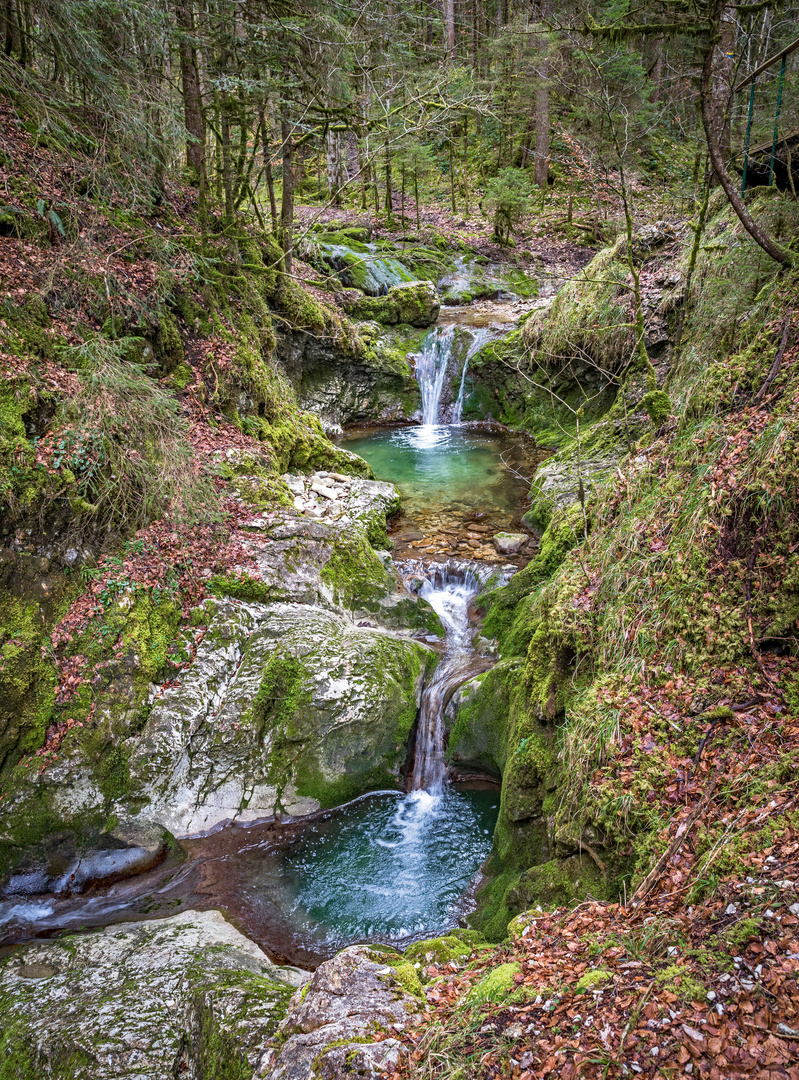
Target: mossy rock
(413, 303)
(494, 987)
(436, 952)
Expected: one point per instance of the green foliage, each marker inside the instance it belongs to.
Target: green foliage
(507, 196)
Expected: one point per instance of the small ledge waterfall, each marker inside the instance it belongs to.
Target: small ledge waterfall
(448, 589)
(431, 370)
(433, 361)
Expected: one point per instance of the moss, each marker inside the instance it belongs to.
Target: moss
(735, 937)
(182, 376)
(682, 984)
(356, 575)
(658, 406)
(241, 586)
(437, 952)
(413, 304)
(509, 617)
(592, 979)
(479, 734)
(495, 986)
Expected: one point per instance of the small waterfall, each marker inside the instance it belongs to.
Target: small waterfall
(480, 335)
(431, 369)
(448, 589)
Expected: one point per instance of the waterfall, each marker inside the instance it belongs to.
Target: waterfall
(448, 589)
(431, 369)
(480, 335)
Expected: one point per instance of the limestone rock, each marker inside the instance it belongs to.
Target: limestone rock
(185, 996)
(332, 1025)
(342, 697)
(509, 543)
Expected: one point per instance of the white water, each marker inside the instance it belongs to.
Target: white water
(431, 370)
(480, 335)
(448, 590)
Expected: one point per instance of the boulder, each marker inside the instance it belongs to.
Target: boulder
(185, 996)
(331, 1029)
(509, 543)
(414, 303)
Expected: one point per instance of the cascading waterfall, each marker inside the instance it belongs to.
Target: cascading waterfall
(431, 369)
(480, 335)
(448, 590)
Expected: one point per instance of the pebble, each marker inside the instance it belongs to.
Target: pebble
(732, 909)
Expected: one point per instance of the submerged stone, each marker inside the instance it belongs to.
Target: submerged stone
(509, 543)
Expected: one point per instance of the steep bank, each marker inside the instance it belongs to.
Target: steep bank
(662, 612)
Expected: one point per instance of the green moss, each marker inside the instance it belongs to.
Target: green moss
(241, 586)
(495, 986)
(736, 936)
(356, 575)
(591, 980)
(437, 952)
(182, 376)
(509, 616)
(682, 984)
(658, 406)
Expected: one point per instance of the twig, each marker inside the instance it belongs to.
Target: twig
(775, 367)
(681, 835)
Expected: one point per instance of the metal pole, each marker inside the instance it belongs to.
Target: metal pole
(776, 121)
(748, 133)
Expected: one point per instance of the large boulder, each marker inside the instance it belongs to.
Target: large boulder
(187, 996)
(415, 303)
(299, 690)
(345, 1022)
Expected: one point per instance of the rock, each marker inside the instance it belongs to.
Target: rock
(330, 1027)
(211, 750)
(188, 995)
(509, 543)
(343, 697)
(414, 303)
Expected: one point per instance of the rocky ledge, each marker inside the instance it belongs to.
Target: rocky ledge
(187, 996)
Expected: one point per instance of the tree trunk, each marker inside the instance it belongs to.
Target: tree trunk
(333, 161)
(287, 203)
(723, 72)
(192, 100)
(709, 117)
(270, 179)
(542, 109)
(449, 29)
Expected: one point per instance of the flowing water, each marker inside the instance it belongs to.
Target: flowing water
(388, 867)
(431, 370)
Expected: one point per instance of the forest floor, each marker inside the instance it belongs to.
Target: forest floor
(694, 975)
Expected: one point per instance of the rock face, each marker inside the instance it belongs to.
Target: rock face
(187, 996)
(301, 691)
(341, 1024)
(286, 708)
(342, 391)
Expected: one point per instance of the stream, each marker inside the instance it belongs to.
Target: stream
(387, 867)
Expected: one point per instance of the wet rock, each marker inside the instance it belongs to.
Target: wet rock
(413, 303)
(509, 543)
(331, 1027)
(185, 996)
(299, 708)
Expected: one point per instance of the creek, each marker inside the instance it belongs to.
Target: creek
(388, 867)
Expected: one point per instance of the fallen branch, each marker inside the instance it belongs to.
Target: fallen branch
(775, 367)
(682, 832)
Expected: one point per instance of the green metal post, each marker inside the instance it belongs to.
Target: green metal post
(748, 133)
(776, 121)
